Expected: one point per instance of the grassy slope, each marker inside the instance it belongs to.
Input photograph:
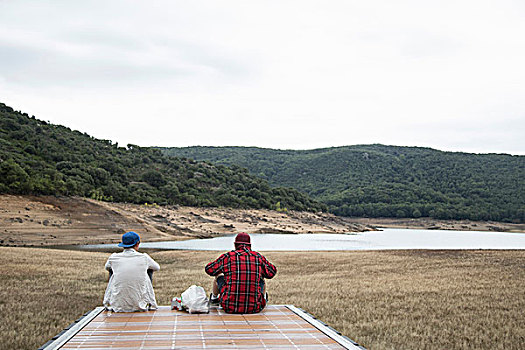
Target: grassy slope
(388, 181)
(383, 300)
(41, 158)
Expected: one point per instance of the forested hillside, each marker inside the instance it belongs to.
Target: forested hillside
(40, 158)
(389, 181)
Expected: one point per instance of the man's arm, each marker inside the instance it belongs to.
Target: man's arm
(268, 269)
(152, 264)
(215, 267)
(108, 264)
(109, 268)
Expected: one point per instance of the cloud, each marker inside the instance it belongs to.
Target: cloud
(292, 74)
(80, 62)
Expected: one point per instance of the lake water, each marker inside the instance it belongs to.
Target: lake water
(373, 240)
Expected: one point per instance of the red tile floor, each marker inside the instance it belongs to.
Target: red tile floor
(276, 327)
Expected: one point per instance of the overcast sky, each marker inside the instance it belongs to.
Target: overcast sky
(281, 74)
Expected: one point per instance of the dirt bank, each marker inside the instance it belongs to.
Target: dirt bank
(48, 221)
(434, 224)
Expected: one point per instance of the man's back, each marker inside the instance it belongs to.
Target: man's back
(129, 288)
(244, 272)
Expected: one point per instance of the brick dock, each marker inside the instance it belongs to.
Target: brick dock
(276, 327)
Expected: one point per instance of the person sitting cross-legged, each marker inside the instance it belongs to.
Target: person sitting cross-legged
(130, 275)
(239, 278)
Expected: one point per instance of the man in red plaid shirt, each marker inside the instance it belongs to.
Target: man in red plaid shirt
(239, 278)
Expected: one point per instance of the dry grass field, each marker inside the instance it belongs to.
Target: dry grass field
(383, 299)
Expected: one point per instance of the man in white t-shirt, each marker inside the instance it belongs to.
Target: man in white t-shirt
(129, 288)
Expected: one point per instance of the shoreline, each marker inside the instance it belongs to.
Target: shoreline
(437, 224)
(41, 221)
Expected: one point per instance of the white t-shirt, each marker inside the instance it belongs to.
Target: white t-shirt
(129, 288)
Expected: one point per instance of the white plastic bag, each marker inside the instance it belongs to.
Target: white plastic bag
(195, 301)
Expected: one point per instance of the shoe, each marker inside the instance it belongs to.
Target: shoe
(214, 301)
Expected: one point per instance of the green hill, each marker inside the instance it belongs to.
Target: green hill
(40, 158)
(388, 181)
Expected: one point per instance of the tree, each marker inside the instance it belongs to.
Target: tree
(416, 213)
(14, 177)
(154, 178)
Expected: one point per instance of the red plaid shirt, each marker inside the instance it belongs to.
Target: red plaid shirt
(243, 271)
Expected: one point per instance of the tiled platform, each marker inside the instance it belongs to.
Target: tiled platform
(276, 327)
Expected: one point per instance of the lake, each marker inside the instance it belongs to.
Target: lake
(374, 240)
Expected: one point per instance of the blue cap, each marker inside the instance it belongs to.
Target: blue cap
(129, 239)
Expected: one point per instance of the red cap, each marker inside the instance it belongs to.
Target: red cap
(242, 238)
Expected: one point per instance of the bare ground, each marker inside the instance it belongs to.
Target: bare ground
(435, 224)
(51, 221)
(382, 299)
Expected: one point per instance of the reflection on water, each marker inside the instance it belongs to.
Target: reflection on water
(373, 240)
